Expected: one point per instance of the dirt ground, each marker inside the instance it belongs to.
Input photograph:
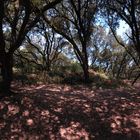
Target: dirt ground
(62, 112)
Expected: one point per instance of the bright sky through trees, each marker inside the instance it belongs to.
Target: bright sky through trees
(122, 28)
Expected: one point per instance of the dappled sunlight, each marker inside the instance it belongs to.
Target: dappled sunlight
(74, 132)
(26, 113)
(63, 112)
(39, 87)
(12, 110)
(29, 122)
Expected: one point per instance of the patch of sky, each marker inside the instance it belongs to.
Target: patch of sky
(121, 30)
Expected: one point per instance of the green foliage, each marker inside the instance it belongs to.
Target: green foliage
(75, 68)
(73, 79)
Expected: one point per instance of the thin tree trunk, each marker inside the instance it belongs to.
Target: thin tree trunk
(121, 67)
(86, 73)
(138, 76)
(48, 67)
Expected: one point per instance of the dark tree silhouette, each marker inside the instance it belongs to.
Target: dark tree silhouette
(20, 16)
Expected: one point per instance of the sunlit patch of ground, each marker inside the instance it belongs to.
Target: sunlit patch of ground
(61, 112)
(73, 132)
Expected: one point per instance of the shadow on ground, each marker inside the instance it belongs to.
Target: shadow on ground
(50, 112)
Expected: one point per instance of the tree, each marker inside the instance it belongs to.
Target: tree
(100, 53)
(128, 11)
(51, 47)
(74, 21)
(43, 47)
(19, 17)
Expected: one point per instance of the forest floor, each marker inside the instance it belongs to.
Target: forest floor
(62, 112)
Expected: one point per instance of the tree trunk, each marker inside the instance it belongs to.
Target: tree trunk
(48, 67)
(85, 64)
(86, 73)
(7, 73)
(138, 76)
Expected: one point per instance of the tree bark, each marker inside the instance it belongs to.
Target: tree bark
(7, 73)
(86, 73)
